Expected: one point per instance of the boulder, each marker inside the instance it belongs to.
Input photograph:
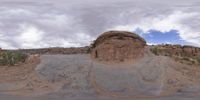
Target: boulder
(117, 46)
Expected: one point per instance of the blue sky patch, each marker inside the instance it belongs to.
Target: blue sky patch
(157, 37)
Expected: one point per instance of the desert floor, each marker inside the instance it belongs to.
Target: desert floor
(78, 77)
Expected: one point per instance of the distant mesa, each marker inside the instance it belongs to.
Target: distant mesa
(118, 46)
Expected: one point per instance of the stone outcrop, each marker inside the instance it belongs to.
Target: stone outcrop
(178, 50)
(117, 46)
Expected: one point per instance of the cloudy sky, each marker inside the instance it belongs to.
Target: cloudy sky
(72, 23)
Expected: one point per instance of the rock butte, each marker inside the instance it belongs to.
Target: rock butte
(118, 46)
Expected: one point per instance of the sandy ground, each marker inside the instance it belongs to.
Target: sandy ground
(77, 77)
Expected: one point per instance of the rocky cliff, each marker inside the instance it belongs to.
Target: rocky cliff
(188, 54)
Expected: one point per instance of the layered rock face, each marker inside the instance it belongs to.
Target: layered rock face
(118, 46)
(178, 50)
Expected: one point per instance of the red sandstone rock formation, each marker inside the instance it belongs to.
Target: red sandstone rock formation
(178, 50)
(118, 46)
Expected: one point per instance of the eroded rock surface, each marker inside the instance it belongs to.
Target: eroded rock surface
(178, 50)
(118, 46)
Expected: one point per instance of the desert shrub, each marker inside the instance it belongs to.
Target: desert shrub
(198, 59)
(155, 50)
(11, 58)
(186, 58)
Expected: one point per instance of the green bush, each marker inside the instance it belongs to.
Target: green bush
(155, 50)
(198, 59)
(11, 58)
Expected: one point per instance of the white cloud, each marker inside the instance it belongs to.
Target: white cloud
(48, 23)
(55, 20)
(150, 43)
(84, 38)
(30, 34)
(6, 45)
(173, 21)
(12, 13)
(38, 30)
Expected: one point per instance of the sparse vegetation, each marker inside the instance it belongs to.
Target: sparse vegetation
(198, 59)
(178, 53)
(8, 58)
(155, 50)
(186, 58)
